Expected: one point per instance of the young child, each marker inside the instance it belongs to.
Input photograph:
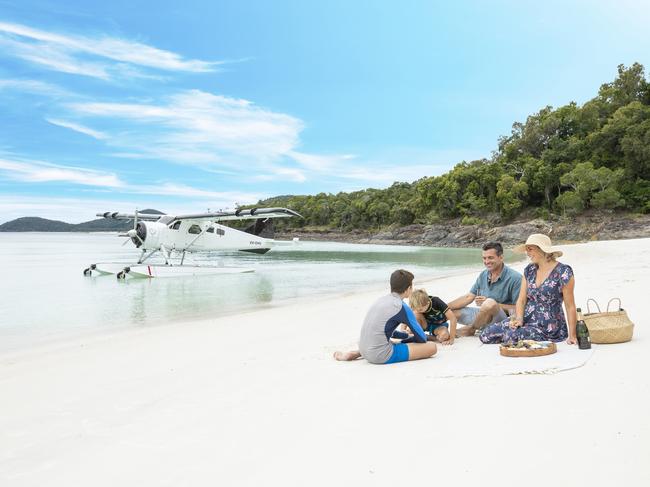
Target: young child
(376, 343)
(434, 316)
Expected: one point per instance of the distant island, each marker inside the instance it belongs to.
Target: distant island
(36, 224)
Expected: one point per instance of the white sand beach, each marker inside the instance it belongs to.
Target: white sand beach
(256, 399)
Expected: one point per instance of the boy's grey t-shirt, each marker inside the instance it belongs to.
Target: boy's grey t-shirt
(505, 290)
(383, 317)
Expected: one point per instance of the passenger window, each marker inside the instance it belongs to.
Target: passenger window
(195, 229)
(221, 231)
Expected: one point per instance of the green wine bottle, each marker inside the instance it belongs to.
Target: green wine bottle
(584, 342)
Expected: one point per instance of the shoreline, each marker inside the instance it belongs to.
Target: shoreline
(586, 228)
(258, 400)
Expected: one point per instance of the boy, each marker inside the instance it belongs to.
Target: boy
(382, 319)
(434, 316)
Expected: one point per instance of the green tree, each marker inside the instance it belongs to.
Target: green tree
(570, 203)
(606, 199)
(596, 187)
(629, 86)
(511, 195)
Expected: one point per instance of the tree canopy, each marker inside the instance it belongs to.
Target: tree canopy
(563, 160)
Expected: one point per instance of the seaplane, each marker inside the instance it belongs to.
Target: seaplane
(172, 237)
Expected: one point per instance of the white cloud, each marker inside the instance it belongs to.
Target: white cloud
(214, 132)
(385, 175)
(109, 56)
(34, 87)
(284, 174)
(174, 189)
(42, 172)
(320, 162)
(78, 128)
(200, 128)
(374, 172)
(53, 58)
(218, 132)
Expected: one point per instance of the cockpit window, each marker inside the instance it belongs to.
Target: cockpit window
(195, 229)
(210, 230)
(176, 225)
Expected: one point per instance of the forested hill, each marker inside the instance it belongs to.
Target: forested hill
(36, 224)
(564, 161)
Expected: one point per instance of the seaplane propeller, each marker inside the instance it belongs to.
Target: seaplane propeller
(137, 234)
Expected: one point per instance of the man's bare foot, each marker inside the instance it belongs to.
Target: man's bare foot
(347, 356)
(465, 331)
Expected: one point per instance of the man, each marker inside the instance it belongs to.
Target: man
(495, 293)
(382, 320)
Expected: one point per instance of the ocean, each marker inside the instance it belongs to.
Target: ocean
(45, 297)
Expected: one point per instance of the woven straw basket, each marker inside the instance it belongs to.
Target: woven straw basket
(610, 326)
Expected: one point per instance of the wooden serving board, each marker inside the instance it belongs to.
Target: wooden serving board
(527, 352)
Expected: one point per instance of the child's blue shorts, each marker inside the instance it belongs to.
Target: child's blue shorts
(400, 353)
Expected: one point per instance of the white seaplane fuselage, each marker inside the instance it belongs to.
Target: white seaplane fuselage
(201, 236)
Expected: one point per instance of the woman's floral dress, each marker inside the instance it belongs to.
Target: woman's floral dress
(543, 316)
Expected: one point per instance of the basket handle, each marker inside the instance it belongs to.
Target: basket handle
(594, 301)
(614, 299)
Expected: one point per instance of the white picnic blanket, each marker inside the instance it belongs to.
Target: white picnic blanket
(468, 357)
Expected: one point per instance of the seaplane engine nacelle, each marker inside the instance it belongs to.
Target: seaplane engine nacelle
(147, 235)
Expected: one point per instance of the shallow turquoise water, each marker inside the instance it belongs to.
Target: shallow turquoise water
(44, 295)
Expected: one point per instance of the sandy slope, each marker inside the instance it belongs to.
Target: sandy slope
(257, 400)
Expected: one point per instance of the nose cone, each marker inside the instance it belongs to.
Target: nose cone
(137, 235)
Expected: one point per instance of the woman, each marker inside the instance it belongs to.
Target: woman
(538, 314)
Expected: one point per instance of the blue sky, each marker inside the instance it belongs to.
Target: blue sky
(184, 106)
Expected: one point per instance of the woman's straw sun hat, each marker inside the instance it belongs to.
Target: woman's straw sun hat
(542, 241)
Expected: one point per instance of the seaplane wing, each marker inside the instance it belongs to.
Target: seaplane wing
(252, 213)
(215, 216)
(116, 215)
